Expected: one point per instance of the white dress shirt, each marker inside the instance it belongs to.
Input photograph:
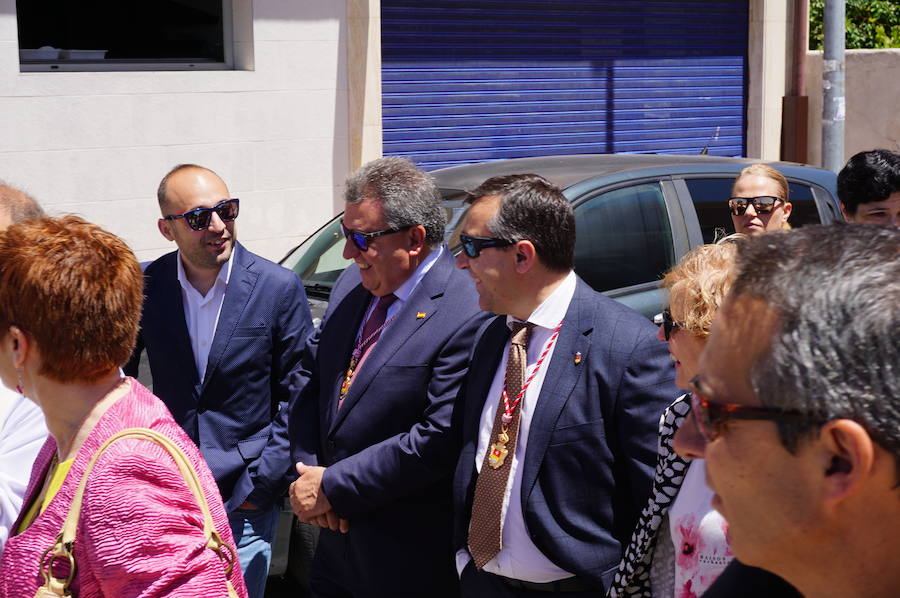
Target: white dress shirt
(22, 434)
(519, 558)
(201, 312)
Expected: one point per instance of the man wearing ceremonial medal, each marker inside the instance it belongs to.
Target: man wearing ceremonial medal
(561, 405)
(370, 424)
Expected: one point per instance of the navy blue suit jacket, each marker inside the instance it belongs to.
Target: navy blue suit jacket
(236, 413)
(389, 450)
(591, 448)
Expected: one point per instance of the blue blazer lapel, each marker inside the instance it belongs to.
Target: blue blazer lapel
(486, 360)
(351, 311)
(482, 375)
(237, 295)
(562, 376)
(169, 301)
(425, 299)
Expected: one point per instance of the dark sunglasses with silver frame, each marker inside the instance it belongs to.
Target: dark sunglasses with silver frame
(361, 240)
(763, 204)
(472, 246)
(709, 415)
(199, 218)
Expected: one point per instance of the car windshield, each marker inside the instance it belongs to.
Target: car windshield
(319, 259)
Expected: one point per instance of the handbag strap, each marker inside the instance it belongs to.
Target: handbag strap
(62, 547)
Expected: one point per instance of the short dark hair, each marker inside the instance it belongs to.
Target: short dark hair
(835, 353)
(534, 209)
(408, 195)
(164, 183)
(18, 204)
(868, 176)
(74, 288)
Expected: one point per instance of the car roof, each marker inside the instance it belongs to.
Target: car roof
(565, 171)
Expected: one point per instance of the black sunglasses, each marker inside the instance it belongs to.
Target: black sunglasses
(762, 204)
(665, 320)
(199, 218)
(472, 246)
(708, 415)
(361, 239)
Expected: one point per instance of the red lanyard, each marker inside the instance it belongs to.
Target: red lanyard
(510, 406)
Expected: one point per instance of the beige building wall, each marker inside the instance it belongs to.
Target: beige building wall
(276, 128)
(364, 85)
(768, 64)
(872, 91)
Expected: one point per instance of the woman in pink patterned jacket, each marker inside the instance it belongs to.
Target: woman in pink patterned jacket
(70, 303)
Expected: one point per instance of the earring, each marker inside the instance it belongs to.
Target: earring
(20, 387)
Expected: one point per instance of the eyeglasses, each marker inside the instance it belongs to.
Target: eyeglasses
(198, 219)
(665, 320)
(361, 239)
(763, 204)
(472, 246)
(708, 416)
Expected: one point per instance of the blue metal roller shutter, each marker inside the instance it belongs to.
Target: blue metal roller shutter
(466, 81)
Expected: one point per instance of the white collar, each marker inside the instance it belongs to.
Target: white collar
(222, 277)
(553, 309)
(406, 289)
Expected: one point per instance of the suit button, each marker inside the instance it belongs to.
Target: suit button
(331, 445)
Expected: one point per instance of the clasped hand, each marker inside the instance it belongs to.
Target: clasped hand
(309, 502)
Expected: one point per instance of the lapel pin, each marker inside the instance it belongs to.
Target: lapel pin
(577, 357)
(420, 315)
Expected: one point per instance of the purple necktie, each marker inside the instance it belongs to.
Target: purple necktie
(367, 339)
(372, 329)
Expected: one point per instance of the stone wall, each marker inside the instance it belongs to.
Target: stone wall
(872, 88)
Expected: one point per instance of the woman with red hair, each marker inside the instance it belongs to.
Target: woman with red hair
(70, 303)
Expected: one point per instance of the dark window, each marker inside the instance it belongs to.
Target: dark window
(120, 31)
(624, 237)
(710, 197)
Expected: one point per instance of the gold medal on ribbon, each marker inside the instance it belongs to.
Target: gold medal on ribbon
(497, 455)
(348, 378)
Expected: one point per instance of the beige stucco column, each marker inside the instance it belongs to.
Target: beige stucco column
(364, 80)
(768, 65)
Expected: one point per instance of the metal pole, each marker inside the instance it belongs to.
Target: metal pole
(833, 104)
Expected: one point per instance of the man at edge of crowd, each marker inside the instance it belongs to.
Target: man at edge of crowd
(797, 410)
(22, 427)
(869, 188)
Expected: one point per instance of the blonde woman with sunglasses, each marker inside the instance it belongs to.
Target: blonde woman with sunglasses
(759, 201)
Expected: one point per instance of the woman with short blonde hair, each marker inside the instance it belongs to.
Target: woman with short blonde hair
(679, 545)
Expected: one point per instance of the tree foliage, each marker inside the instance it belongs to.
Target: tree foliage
(869, 23)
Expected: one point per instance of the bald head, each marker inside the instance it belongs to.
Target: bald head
(163, 189)
(16, 205)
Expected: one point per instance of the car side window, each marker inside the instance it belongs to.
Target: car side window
(710, 197)
(322, 260)
(623, 237)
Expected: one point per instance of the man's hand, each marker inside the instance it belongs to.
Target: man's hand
(307, 497)
(309, 502)
(332, 522)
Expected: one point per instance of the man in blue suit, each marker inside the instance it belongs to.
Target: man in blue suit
(223, 328)
(371, 424)
(560, 416)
